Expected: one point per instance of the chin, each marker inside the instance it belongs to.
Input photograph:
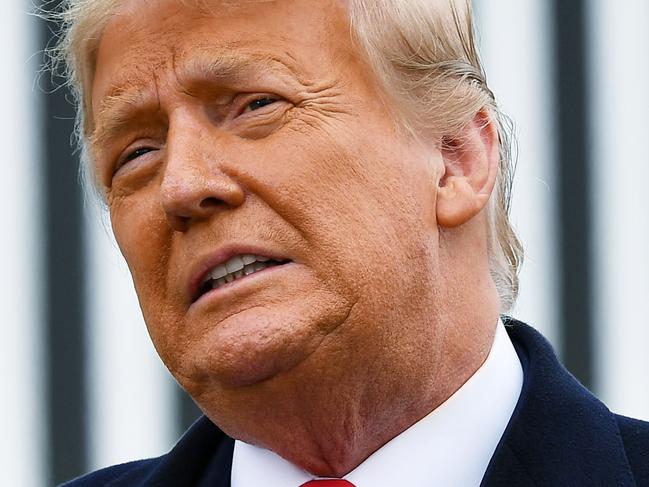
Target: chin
(249, 363)
(249, 348)
(253, 344)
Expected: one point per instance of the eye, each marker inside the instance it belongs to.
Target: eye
(136, 153)
(259, 103)
(131, 156)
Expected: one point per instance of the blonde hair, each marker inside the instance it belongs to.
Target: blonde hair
(425, 57)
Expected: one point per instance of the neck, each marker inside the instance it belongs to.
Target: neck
(329, 426)
(376, 375)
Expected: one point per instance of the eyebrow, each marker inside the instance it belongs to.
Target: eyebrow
(122, 99)
(116, 110)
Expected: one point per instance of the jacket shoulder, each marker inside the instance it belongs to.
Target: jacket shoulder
(560, 434)
(131, 473)
(635, 436)
(204, 452)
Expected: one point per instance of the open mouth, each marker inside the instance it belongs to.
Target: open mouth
(235, 268)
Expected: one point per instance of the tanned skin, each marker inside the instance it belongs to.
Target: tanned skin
(260, 126)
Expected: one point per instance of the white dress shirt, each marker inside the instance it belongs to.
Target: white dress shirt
(450, 447)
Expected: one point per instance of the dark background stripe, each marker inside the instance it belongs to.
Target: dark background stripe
(64, 282)
(573, 172)
(188, 412)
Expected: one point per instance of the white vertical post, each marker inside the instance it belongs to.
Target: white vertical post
(620, 103)
(22, 408)
(132, 403)
(516, 43)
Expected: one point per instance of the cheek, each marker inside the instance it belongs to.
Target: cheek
(352, 188)
(143, 237)
(365, 208)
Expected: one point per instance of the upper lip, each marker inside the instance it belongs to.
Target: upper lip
(205, 264)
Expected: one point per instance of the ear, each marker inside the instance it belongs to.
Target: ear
(470, 167)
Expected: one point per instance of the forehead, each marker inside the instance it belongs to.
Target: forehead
(147, 37)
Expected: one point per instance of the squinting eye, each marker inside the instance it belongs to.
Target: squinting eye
(137, 153)
(260, 103)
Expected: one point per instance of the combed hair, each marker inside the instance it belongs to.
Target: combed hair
(425, 57)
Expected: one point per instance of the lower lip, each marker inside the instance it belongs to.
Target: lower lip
(230, 286)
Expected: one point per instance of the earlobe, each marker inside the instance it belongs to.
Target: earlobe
(470, 167)
(457, 202)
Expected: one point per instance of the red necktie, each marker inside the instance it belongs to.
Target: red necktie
(328, 483)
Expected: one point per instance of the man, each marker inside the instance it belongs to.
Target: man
(312, 199)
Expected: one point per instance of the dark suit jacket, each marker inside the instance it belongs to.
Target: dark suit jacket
(560, 435)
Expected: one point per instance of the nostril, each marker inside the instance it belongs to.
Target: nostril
(177, 222)
(210, 203)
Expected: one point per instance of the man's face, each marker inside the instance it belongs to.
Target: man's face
(256, 129)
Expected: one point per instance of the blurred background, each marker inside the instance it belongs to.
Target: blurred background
(82, 386)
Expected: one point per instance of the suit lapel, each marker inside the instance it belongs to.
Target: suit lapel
(202, 457)
(219, 472)
(507, 470)
(559, 434)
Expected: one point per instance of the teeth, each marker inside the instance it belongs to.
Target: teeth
(219, 272)
(234, 264)
(237, 267)
(246, 271)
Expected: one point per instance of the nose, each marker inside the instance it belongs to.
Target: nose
(195, 183)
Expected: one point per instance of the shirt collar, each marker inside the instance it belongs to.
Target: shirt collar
(451, 446)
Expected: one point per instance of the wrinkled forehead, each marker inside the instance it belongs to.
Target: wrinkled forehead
(144, 38)
(146, 20)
